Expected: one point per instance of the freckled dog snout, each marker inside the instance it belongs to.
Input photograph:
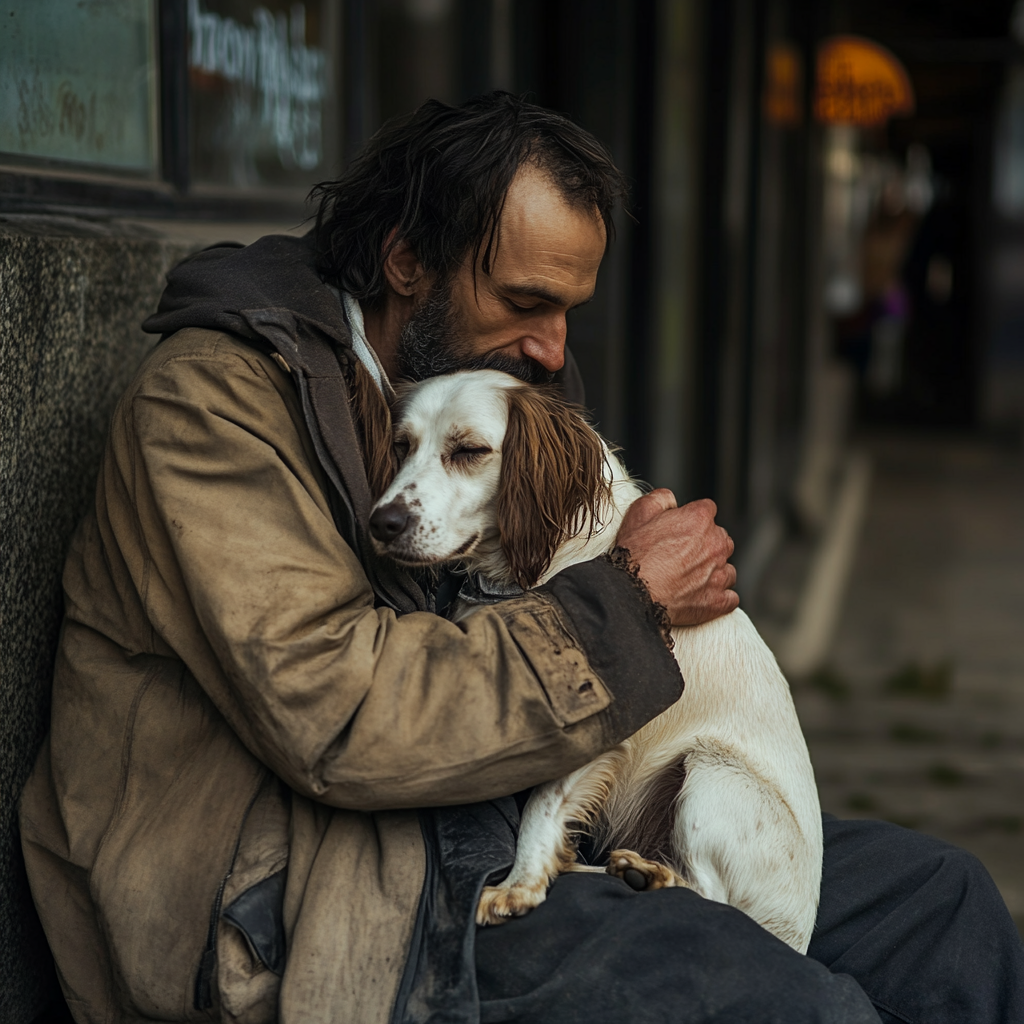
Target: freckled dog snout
(388, 521)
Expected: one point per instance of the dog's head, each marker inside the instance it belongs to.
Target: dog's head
(491, 472)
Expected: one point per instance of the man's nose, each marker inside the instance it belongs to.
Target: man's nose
(389, 521)
(546, 344)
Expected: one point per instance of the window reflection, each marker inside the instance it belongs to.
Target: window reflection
(263, 92)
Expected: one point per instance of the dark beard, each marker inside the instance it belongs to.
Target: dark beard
(434, 342)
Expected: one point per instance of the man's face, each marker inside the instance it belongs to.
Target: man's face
(513, 318)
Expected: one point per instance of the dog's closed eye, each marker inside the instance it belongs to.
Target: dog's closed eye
(463, 449)
(467, 455)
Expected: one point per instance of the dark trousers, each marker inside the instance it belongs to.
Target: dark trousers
(910, 929)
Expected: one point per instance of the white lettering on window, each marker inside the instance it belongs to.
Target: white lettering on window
(271, 60)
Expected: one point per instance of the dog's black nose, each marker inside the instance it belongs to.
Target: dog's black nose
(387, 522)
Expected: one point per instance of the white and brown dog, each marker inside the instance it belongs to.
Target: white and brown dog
(717, 792)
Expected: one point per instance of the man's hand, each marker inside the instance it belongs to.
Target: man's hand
(682, 556)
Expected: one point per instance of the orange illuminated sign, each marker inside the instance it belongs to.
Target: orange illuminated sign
(860, 82)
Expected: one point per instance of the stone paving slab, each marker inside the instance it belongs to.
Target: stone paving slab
(918, 716)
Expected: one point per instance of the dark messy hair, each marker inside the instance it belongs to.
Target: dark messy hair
(438, 178)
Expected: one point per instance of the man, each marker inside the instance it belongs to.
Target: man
(276, 779)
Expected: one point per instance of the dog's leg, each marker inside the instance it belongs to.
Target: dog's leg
(742, 844)
(545, 847)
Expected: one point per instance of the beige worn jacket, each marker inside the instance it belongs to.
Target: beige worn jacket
(228, 702)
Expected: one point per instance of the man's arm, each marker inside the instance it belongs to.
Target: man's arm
(242, 574)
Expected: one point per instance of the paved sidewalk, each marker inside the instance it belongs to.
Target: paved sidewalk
(919, 715)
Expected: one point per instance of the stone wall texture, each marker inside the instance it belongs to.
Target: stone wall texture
(72, 296)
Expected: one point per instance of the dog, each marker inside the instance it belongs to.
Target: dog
(717, 793)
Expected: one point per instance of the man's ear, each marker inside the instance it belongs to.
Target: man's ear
(403, 270)
(552, 479)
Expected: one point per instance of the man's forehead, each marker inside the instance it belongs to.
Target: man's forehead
(536, 218)
(546, 248)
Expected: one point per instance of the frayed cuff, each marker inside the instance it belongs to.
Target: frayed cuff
(622, 559)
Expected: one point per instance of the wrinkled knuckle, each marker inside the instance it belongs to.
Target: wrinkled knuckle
(705, 514)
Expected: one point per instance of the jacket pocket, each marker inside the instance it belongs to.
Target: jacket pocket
(573, 689)
(249, 990)
(251, 949)
(259, 915)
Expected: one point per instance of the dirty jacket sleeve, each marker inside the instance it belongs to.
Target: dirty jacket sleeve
(217, 508)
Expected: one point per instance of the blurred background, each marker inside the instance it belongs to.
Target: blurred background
(814, 315)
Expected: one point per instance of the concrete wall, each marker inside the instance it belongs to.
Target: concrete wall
(72, 295)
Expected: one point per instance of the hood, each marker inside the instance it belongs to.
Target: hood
(215, 288)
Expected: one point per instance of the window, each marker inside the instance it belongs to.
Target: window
(78, 83)
(208, 108)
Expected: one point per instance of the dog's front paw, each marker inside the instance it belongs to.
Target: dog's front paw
(642, 875)
(498, 903)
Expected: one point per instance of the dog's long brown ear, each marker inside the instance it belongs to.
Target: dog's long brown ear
(552, 479)
(373, 421)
